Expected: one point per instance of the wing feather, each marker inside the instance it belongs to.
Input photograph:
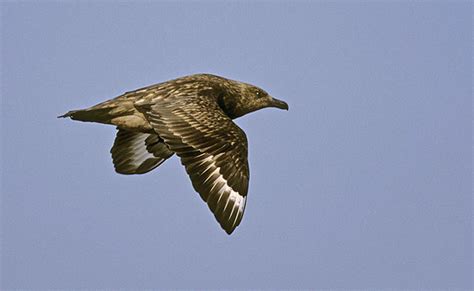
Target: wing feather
(138, 153)
(213, 150)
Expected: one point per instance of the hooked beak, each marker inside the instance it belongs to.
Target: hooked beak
(278, 104)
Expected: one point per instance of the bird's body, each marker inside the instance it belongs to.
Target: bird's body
(192, 117)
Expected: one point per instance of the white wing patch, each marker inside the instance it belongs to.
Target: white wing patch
(235, 200)
(232, 209)
(137, 150)
(138, 153)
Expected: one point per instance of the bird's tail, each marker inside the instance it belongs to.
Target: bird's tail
(120, 112)
(101, 115)
(103, 112)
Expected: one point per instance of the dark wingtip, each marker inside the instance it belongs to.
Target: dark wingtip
(229, 229)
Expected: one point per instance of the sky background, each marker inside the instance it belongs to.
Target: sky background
(364, 183)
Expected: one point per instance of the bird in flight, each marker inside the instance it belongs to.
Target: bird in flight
(192, 117)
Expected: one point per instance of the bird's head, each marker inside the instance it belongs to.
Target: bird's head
(245, 98)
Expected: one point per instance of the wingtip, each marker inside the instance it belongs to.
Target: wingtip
(228, 230)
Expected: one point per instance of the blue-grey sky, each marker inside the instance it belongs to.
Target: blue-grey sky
(364, 183)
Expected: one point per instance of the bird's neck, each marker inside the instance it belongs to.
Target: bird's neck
(231, 106)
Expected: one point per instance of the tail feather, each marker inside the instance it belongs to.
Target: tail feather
(101, 115)
(120, 112)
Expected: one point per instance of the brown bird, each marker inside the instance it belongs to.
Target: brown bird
(192, 117)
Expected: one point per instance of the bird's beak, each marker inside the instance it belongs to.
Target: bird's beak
(278, 104)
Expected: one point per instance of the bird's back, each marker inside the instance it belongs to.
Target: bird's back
(123, 112)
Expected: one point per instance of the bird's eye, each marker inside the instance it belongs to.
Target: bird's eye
(259, 94)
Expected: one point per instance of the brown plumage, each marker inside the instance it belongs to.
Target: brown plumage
(192, 117)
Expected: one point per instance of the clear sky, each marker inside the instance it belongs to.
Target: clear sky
(364, 183)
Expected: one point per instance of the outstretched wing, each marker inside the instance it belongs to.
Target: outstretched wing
(213, 150)
(137, 152)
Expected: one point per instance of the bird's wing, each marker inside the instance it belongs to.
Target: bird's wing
(138, 153)
(213, 150)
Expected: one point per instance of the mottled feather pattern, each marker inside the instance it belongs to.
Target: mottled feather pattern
(192, 117)
(212, 149)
